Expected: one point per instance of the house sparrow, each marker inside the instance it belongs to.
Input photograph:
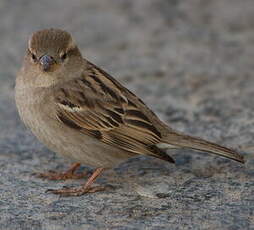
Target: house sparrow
(78, 110)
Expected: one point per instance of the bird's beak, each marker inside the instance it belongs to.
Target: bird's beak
(46, 62)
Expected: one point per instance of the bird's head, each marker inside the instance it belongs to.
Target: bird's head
(52, 53)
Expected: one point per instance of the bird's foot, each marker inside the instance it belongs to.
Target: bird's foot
(76, 191)
(87, 188)
(69, 174)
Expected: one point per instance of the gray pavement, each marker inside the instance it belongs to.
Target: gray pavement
(192, 62)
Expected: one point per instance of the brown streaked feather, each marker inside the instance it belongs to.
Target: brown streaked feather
(185, 141)
(135, 117)
(97, 106)
(68, 122)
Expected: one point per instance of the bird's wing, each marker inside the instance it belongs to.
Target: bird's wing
(97, 105)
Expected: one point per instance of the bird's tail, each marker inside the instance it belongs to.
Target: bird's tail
(178, 140)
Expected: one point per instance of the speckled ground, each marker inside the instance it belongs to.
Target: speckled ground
(189, 60)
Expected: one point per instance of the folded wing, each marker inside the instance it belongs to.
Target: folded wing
(96, 105)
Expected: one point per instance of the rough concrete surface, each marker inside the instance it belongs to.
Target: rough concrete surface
(192, 61)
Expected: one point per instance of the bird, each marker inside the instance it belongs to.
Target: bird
(80, 111)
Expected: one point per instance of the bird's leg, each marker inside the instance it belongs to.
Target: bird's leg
(86, 188)
(69, 174)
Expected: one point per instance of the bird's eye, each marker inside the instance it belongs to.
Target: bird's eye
(63, 56)
(34, 58)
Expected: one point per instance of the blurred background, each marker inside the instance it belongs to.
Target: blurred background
(191, 61)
